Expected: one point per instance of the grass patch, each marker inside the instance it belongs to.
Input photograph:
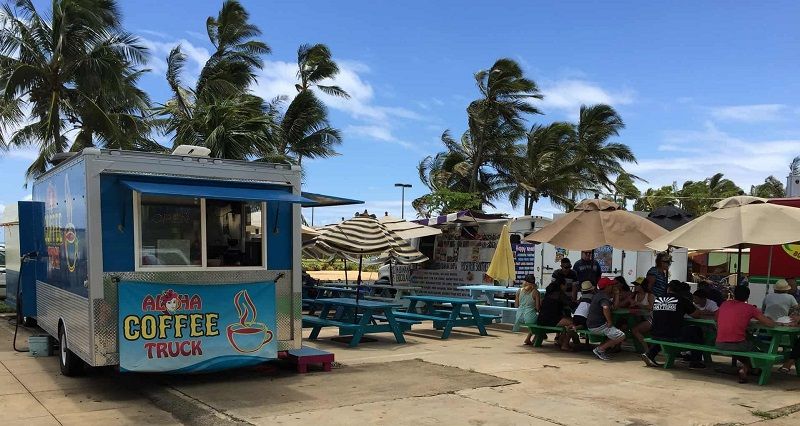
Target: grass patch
(5, 309)
(767, 415)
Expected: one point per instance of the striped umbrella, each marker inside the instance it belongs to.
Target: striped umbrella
(361, 236)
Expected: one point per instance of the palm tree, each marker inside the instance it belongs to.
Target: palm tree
(601, 159)
(498, 114)
(302, 131)
(546, 168)
(220, 113)
(315, 65)
(450, 169)
(655, 198)
(771, 188)
(699, 197)
(76, 71)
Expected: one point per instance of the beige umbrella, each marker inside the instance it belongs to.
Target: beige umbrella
(408, 230)
(736, 221)
(595, 223)
(739, 222)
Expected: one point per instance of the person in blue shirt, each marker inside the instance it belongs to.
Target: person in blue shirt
(657, 275)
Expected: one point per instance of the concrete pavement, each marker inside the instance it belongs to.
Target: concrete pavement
(467, 379)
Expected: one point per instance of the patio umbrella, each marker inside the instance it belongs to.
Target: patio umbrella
(595, 223)
(363, 236)
(670, 217)
(408, 230)
(502, 266)
(737, 222)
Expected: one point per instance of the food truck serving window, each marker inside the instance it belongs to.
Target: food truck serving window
(191, 232)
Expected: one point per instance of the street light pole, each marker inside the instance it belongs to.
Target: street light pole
(402, 187)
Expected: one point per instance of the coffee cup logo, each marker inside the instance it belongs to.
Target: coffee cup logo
(247, 335)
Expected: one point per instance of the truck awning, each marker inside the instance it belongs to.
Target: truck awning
(321, 200)
(220, 192)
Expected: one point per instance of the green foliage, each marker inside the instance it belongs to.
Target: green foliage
(445, 201)
(335, 265)
(76, 70)
(771, 188)
(303, 129)
(655, 198)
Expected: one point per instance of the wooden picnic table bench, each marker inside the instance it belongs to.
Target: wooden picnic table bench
(354, 318)
(454, 317)
(761, 360)
(540, 333)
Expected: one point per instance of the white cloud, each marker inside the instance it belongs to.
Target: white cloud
(698, 154)
(159, 50)
(569, 94)
(751, 113)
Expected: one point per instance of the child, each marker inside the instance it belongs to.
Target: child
(579, 317)
(528, 303)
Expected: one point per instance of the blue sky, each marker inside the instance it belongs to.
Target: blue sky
(702, 86)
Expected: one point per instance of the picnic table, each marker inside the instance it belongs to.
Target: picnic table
(488, 292)
(357, 318)
(376, 291)
(778, 336)
(447, 318)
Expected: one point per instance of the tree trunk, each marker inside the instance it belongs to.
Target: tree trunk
(528, 204)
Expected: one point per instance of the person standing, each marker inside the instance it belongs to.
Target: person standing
(586, 269)
(667, 324)
(599, 319)
(657, 275)
(569, 276)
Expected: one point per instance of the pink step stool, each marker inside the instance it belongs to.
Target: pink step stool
(306, 355)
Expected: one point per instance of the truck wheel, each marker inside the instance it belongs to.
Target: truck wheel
(70, 364)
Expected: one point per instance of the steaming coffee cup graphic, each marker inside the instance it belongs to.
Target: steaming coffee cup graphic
(247, 335)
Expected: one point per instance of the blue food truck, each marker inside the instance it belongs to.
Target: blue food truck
(161, 263)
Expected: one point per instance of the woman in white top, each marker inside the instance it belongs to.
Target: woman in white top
(778, 304)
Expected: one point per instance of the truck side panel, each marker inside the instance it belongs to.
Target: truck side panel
(62, 292)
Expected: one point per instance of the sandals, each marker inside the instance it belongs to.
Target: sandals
(785, 370)
(742, 375)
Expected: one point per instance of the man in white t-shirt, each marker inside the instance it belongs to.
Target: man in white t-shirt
(706, 306)
(778, 304)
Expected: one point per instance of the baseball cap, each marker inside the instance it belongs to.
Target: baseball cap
(605, 282)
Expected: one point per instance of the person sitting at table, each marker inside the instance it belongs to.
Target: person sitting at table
(599, 319)
(712, 291)
(794, 354)
(778, 303)
(528, 303)
(667, 324)
(569, 276)
(733, 319)
(792, 281)
(701, 301)
(643, 300)
(623, 297)
(554, 311)
(582, 311)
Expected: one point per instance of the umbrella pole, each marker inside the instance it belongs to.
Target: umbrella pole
(739, 266)
(358, 282)
(391, 273)
(345, 269)
(769, 275)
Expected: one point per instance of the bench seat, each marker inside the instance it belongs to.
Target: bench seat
(761, 360)
(312, 321)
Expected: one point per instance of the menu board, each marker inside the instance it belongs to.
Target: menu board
(604, 255)
(524, 260)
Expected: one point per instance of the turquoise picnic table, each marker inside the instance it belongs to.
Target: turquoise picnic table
(356, 318)
(446, 319)
(488, 292)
